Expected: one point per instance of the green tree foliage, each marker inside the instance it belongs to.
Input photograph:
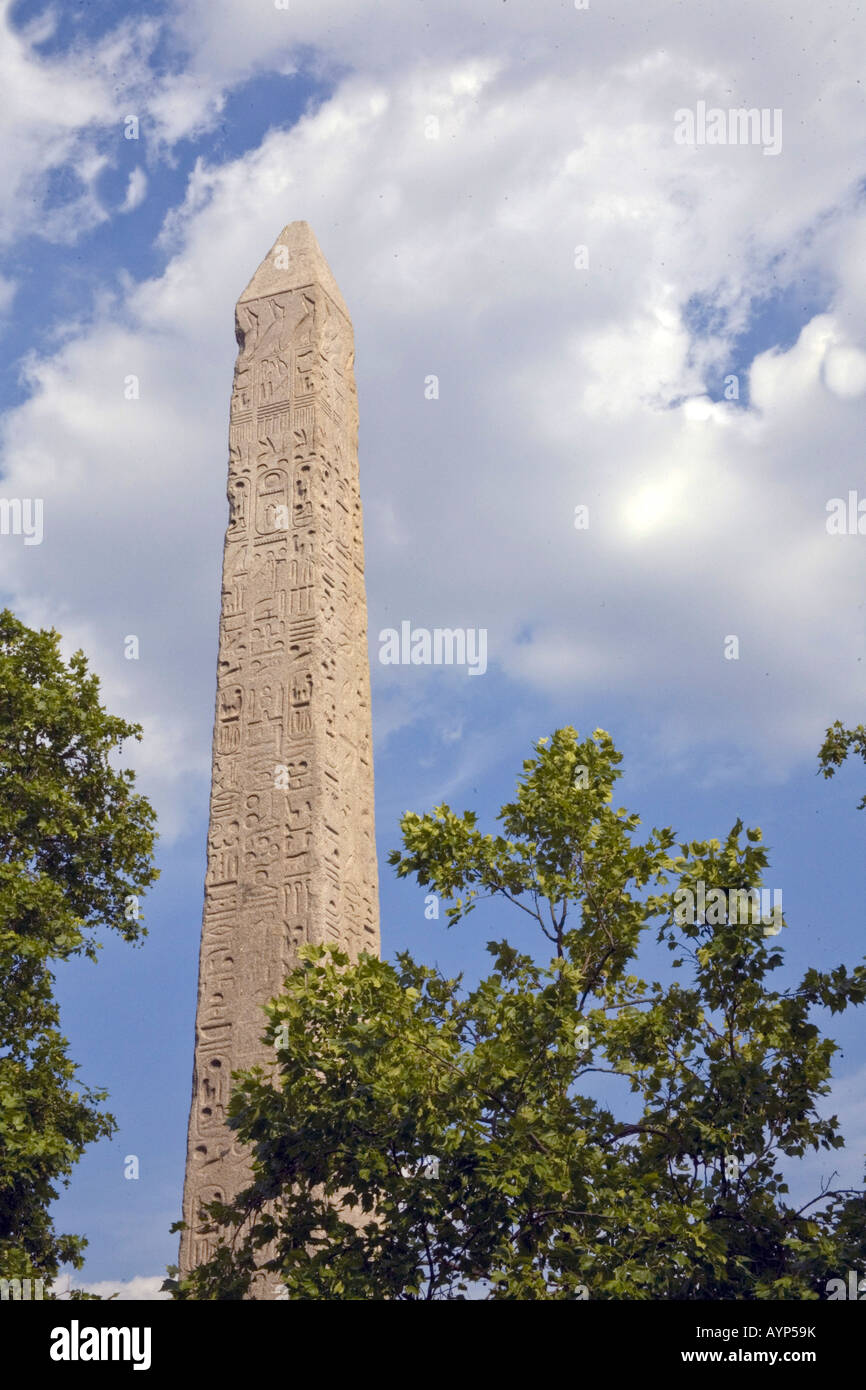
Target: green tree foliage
(75, 852)
(838, 744)
(421, 1140)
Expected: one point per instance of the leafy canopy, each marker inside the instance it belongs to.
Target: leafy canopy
(75, 852)
(839, 743)
(419, 1139)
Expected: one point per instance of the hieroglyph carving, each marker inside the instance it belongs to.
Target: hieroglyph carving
(291, 849)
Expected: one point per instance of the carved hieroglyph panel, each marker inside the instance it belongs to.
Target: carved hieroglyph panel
(291, 847)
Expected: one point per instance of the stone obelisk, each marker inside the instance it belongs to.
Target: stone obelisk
(291, 849)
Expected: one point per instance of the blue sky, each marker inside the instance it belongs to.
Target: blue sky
(559, 385)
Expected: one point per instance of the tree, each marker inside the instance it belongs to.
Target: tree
(416, 1139)
(75, 854)
(838, 745)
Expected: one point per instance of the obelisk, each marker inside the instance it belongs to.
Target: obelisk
(291, 849)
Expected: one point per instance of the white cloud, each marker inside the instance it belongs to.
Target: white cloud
(136, 191)
(52, 110)
(559, 385)
(845, 371)
(140, 1288)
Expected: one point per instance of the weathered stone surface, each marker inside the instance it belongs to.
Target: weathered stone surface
(291, 849)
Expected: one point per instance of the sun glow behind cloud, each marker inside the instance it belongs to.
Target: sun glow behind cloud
(655, 505)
